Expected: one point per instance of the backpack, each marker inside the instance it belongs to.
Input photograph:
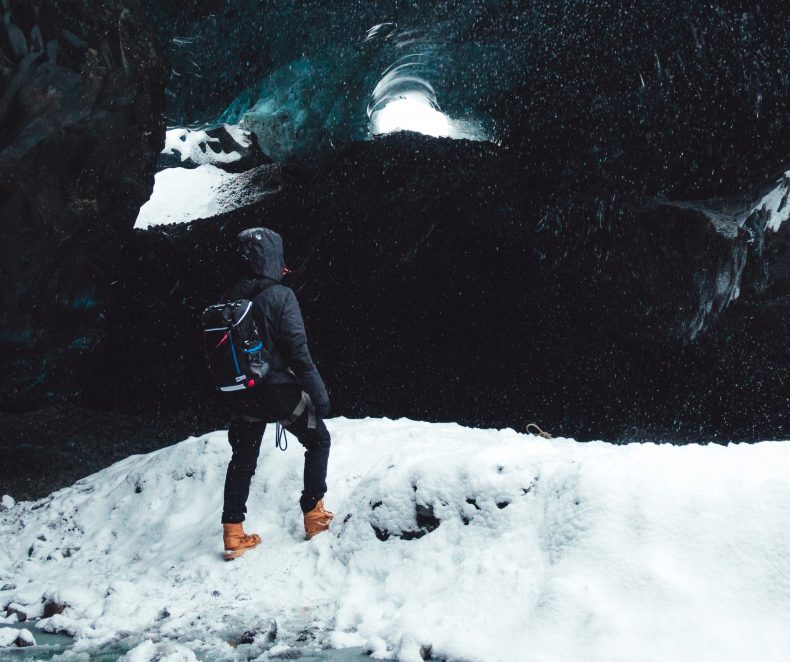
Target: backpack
(234, 350)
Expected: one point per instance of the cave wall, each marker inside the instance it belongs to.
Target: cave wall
(682, 99)
(81, 97)
(448, 293)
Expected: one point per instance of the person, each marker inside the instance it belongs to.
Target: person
(293, 395)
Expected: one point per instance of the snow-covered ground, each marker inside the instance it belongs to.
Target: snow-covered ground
(544, 550)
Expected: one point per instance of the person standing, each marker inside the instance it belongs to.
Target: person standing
(294, 394)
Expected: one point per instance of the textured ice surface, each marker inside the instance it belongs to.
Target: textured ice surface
(564, 550)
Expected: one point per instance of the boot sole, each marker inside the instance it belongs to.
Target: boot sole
(310, 536)
(231, 554)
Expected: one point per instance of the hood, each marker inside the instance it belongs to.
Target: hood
(262, 248)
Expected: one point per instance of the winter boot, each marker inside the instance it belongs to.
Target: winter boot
(236, 541)
(317, 520)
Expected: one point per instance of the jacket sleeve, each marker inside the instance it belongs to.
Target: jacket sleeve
(293, 342)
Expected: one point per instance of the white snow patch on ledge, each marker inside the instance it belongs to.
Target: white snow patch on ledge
(546, 550)
(195, 145)
(181, 195)
(775, 204)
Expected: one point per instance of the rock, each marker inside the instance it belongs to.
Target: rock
(36, 40)
(52, 607)
(425, 520)
(8, 587)
(16, 40)
(265, 633)
(385, 277)
(18, 610)
(25, 639)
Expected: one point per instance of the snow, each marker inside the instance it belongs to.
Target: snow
(415, 112)
(148, 651)
(193, 145)
(8, 637)
(410, 113)
(545, 550)
(13, 637)
(7, 502)
(775, 204)
(181, 195)
(25, 638)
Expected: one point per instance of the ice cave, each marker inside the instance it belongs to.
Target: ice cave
(498, 218)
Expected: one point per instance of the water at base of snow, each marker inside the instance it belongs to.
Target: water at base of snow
(49, 646)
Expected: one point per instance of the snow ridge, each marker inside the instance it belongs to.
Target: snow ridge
(474, 544)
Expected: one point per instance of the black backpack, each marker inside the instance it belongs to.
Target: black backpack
(234, 349)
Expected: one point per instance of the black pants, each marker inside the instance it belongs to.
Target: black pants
(276, 403)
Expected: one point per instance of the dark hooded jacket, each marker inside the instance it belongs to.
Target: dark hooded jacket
(278, 316)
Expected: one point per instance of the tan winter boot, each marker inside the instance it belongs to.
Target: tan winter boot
(236, 541)
(317, 520)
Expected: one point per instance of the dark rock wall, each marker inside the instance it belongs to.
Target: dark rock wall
(678, 99)
(432, 288)
(81, 97)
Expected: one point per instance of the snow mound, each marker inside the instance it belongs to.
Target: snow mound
(455, 542)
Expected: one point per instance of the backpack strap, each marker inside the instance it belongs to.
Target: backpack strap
(304, 403)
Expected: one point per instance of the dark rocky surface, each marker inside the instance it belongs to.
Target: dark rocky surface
(52, 447)
(438, 283)
(80, 125)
